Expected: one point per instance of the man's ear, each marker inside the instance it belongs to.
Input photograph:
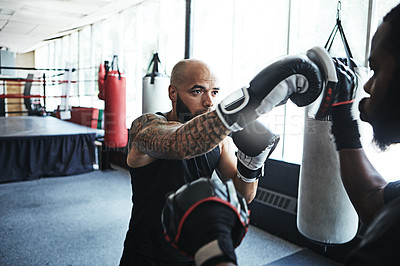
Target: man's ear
(172, 93)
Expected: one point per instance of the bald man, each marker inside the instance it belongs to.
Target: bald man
(167, 150)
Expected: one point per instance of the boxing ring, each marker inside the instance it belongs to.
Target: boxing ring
(32, 147)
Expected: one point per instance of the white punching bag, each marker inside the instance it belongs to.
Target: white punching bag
(155, 89)
(324, 213)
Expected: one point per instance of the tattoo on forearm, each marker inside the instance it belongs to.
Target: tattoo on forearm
(163, 139)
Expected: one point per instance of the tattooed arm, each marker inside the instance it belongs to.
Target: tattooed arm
(151, 136)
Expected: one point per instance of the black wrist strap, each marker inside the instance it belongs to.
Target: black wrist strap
(347, 137)
(345, 128)
(248, 173)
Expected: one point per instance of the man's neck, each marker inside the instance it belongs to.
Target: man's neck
(171, 116)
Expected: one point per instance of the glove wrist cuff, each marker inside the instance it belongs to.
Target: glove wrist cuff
(231, 110)
(342, 114)
(252, 163)
(248, 175)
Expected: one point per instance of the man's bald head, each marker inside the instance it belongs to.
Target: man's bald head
(186, 69)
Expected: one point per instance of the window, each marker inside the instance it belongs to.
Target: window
(42, 57)
(87, 83)
(74, 61)
(237, 40)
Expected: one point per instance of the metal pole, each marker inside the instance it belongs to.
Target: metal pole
(371, 9)
(287, 52)
(188, 29)
(44, 92)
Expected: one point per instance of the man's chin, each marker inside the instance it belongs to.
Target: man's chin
(385, 136)
(381, 143)
(361, 107)
(363, 118)
(185, 117)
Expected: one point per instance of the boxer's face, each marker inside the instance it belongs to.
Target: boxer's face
(197, 94)
(382, 108)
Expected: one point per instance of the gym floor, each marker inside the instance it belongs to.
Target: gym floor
(82, 220)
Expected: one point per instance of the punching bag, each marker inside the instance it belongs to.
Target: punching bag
(115, 130)
(65, 107)
(324, 212)
(155, 89)
(103, 69)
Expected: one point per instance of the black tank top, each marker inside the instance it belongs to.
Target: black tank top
(150, 185)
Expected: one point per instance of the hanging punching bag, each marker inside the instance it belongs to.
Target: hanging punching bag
(155, 89)
(324, 211)
(103, 69)
(116, 132)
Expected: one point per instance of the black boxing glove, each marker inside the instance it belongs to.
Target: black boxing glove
(255, 144)
(294, 77)
(344, 126)
(206, 219)
(321, 109)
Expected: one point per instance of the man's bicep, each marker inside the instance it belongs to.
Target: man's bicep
(137, 158)
(227, 169)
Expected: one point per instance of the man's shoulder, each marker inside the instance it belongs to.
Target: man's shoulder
(148, 118)
(392, 191)
(153, 116)
(378, 247)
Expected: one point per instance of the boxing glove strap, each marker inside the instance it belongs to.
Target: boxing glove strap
(247, 175)
(229, 109)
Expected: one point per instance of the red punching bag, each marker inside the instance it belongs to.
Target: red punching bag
(116, 132)
(103, 69)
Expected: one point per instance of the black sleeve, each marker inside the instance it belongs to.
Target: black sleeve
(379, 245)
(392, 191)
